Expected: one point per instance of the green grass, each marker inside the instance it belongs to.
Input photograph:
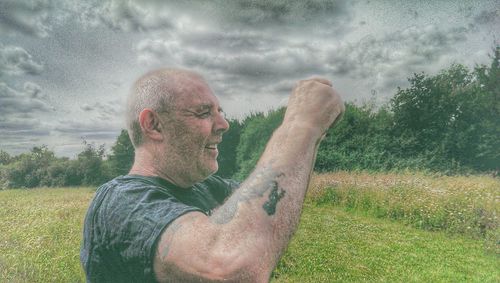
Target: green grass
(461, 205)
(40, 234)
(332, 245)
(41, 229)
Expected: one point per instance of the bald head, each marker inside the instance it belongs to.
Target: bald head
(156, 90)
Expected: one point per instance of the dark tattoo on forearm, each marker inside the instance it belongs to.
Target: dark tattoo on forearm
(274, 197)
(259, 183)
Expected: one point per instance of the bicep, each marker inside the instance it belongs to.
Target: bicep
(192, 248)
(183, 251)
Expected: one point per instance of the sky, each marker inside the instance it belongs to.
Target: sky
(66, 66)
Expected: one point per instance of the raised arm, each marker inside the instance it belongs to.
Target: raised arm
(245, 237)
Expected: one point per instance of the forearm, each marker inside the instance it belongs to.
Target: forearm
(267, 206)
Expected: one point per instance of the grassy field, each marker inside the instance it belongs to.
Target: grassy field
(333, 245)
(355, 227)
(41, 230)
(460, 205)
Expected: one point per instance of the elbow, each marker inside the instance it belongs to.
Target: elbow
(238, 267)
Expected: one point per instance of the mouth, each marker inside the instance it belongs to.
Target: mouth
(211, 146)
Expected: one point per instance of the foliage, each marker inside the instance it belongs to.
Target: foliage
(227, 149)
(122, 155)
(29, 169)
(41, 168)
(5, 158)
(359, 141)
(453, 115)
(448, 122)
(91, 167)
(254, 137)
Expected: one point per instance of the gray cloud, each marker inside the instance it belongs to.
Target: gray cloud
(281, 14)
(93, 129)
(19, 115)
(14, 60)
(242, 14)
(21, 131)
(33, 90)
(487, 17)
(106, 110)
(233, 42)
(387, 60)
(252, 61)
(232, 72)
(20, 103)
(26, 17)
(20, 125)
(134, 16)
(150, 51)
(246, 55)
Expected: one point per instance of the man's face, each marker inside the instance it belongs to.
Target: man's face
(193, 132)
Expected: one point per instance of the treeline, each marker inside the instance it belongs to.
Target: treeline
(41, 168)
(449, 122)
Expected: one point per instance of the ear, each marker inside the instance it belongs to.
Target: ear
(150, 124)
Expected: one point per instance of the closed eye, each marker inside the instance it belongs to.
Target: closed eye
(204, 115)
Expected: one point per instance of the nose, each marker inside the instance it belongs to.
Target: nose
(221, 124)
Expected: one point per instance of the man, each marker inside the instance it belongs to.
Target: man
(169, 220)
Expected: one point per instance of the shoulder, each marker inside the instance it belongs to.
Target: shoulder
(119, 199)
(126, 188)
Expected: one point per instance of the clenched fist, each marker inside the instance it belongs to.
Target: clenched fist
(314, 104)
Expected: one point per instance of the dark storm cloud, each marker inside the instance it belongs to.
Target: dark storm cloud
(26, 17)
(14, 60)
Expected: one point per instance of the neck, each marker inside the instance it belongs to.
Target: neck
(148, 164)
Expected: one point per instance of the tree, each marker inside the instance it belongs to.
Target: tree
(227, 149)
(451, 118)
(424, 111)
(359, 141)
(30, 169)
(488, 79)
(4, 158)
(254, 137)
(121, 158)
(90, 165)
